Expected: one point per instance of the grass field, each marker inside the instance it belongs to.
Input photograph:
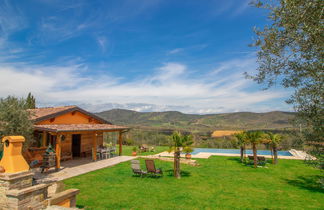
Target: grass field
(219, 182)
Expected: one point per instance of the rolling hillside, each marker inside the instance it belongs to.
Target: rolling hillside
(193, 122)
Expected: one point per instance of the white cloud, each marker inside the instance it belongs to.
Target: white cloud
(11, 21)
(245, 4)
(11, 18)
(175, 51)
(102, 42)
(171, 85)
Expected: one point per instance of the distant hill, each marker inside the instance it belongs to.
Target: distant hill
(195, 122)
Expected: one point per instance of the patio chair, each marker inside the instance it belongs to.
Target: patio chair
(144, 148)
(135, 164)
(105, 154)
(150, 166)
(66, 156)
(112, 151)
(33, 160)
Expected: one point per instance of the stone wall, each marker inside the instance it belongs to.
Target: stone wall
(17, 192)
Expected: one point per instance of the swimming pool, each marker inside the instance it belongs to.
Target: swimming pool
(237, 151)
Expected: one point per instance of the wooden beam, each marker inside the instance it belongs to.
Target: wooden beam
(58, 151)
(94, 147)
(44, 137)
(120, 141)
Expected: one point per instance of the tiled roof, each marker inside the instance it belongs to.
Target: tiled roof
(42, 112)
(79, 127)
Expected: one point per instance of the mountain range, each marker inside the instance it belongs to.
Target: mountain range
(195, 122)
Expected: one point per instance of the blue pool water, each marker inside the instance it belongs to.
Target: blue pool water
(237, 151)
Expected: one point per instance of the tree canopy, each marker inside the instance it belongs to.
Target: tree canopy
(290, 52)
(30, 101)
(15, 119)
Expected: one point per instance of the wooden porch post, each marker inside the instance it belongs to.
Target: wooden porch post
(58, 151)
(44, 139)
(120, 141)
(94, 148)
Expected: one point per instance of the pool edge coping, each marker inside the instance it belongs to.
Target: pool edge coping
(296, 155)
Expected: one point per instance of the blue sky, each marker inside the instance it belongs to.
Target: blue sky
(145, 55)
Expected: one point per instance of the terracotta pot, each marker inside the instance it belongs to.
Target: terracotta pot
(134, 153)
(188, 156)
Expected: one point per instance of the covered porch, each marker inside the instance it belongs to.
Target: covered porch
(78, 140)
(77, 167)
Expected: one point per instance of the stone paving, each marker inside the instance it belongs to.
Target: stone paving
(74, 168)
(77, 167)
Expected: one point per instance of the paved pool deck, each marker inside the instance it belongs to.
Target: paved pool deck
(297, 155)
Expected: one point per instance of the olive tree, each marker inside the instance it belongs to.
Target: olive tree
(15, 119)
(290, 52)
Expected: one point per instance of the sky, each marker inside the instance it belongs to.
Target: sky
(144, 55)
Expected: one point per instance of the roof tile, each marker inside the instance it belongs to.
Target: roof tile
(42, 112)
(78, 127)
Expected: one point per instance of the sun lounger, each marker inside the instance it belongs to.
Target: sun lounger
(261, 159)
(150, 166)
(135, 164)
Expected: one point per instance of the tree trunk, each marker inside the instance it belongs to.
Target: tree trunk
(255, 156)
(272, 151)
(275, 154)
(177, 164)
(242, 151)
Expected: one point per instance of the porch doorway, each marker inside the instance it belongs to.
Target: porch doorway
(76, 145)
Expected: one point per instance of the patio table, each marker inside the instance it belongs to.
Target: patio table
(106, 152)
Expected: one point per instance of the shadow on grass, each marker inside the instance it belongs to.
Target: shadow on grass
(151, 176)
(80, 206)
(182, 173)
(311, 183)
(250, 163)
(235, 159)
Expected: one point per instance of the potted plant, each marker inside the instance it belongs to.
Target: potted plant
(187, 150)
(134, 153)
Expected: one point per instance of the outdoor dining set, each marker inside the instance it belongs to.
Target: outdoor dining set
(105, 152)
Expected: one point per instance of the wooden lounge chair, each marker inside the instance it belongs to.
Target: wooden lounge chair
(261, 158)
(137, 168)
(150, 166)
(251, 157)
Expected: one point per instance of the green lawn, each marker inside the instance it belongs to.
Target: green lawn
(218, 183)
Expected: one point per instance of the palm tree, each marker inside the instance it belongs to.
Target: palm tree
(255, 137)
(241, 140)
(178, 142)
(274, 140)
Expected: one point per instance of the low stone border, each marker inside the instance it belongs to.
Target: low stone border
(184, 161)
